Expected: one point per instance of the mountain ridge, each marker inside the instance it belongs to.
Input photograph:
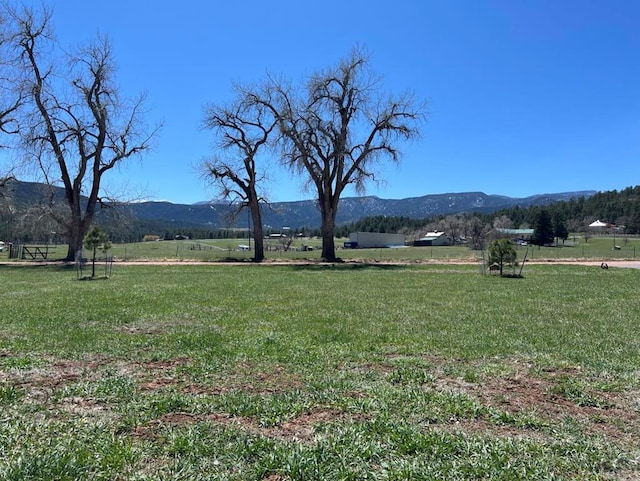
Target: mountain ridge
(304, 213)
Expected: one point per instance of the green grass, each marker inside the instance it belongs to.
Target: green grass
(295, 372)
(227, 249)
(220, 250)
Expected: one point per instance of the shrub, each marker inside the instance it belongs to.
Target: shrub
(501, 252)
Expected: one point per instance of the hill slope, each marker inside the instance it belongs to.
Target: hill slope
(305, 213)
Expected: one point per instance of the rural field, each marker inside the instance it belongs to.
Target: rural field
(217, 250)
(221, 250)
(311, 372)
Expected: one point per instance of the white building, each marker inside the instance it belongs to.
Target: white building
(598, 224)
(373, 240)
(436, 238)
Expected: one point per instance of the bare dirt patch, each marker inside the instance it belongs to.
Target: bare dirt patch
(244, 376)
(521, 391)
(301, 429)
(86, 408)
(608, 414)
(254, 378)
(42, 381)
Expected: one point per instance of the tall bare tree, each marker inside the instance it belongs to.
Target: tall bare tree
(337, 129)
(11, 96)
(452, 225)
(76, 127)
(242, 129)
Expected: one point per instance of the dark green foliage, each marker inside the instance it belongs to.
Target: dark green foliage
(380, 223)
(617, 207)
(560, 230)
(543, 233)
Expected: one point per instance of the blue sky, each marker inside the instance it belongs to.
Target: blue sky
(524, 97)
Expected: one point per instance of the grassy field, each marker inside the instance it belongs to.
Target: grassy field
(216, 250)
(600, 248)
(354, 371)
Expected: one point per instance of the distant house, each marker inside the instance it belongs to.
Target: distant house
(374, 240)
(598, 224)
(520, 235)
(436, 238)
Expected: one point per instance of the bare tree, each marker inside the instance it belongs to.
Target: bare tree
(478, 233)
(11, 96)
(337, 129)
(502, 222)
(452, 225)
(75, 127)
(243, 129)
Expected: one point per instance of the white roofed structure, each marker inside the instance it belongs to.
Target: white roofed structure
(598, 224)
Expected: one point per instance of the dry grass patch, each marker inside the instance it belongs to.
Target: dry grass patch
(299, 429)
(551, 397)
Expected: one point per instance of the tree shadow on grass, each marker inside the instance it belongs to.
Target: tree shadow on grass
(53, 266)
(512, 276)
(232, 259)
(350, 266)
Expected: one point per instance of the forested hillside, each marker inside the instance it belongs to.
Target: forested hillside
(619, 208)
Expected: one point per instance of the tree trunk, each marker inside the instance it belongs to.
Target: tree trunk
(328, 231)
(258, 237)
(75, 238)
(79, 222)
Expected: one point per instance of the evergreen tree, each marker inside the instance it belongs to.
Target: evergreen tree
(501, 252)
(96, 239)
(560, 230)
(542, 229)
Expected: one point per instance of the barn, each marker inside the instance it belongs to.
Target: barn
(436, 238)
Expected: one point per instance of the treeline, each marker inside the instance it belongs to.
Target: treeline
(620, 208)
(381, 223)
(168, 231)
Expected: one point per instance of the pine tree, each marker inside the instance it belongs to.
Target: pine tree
(542, 229)
(560, 230)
